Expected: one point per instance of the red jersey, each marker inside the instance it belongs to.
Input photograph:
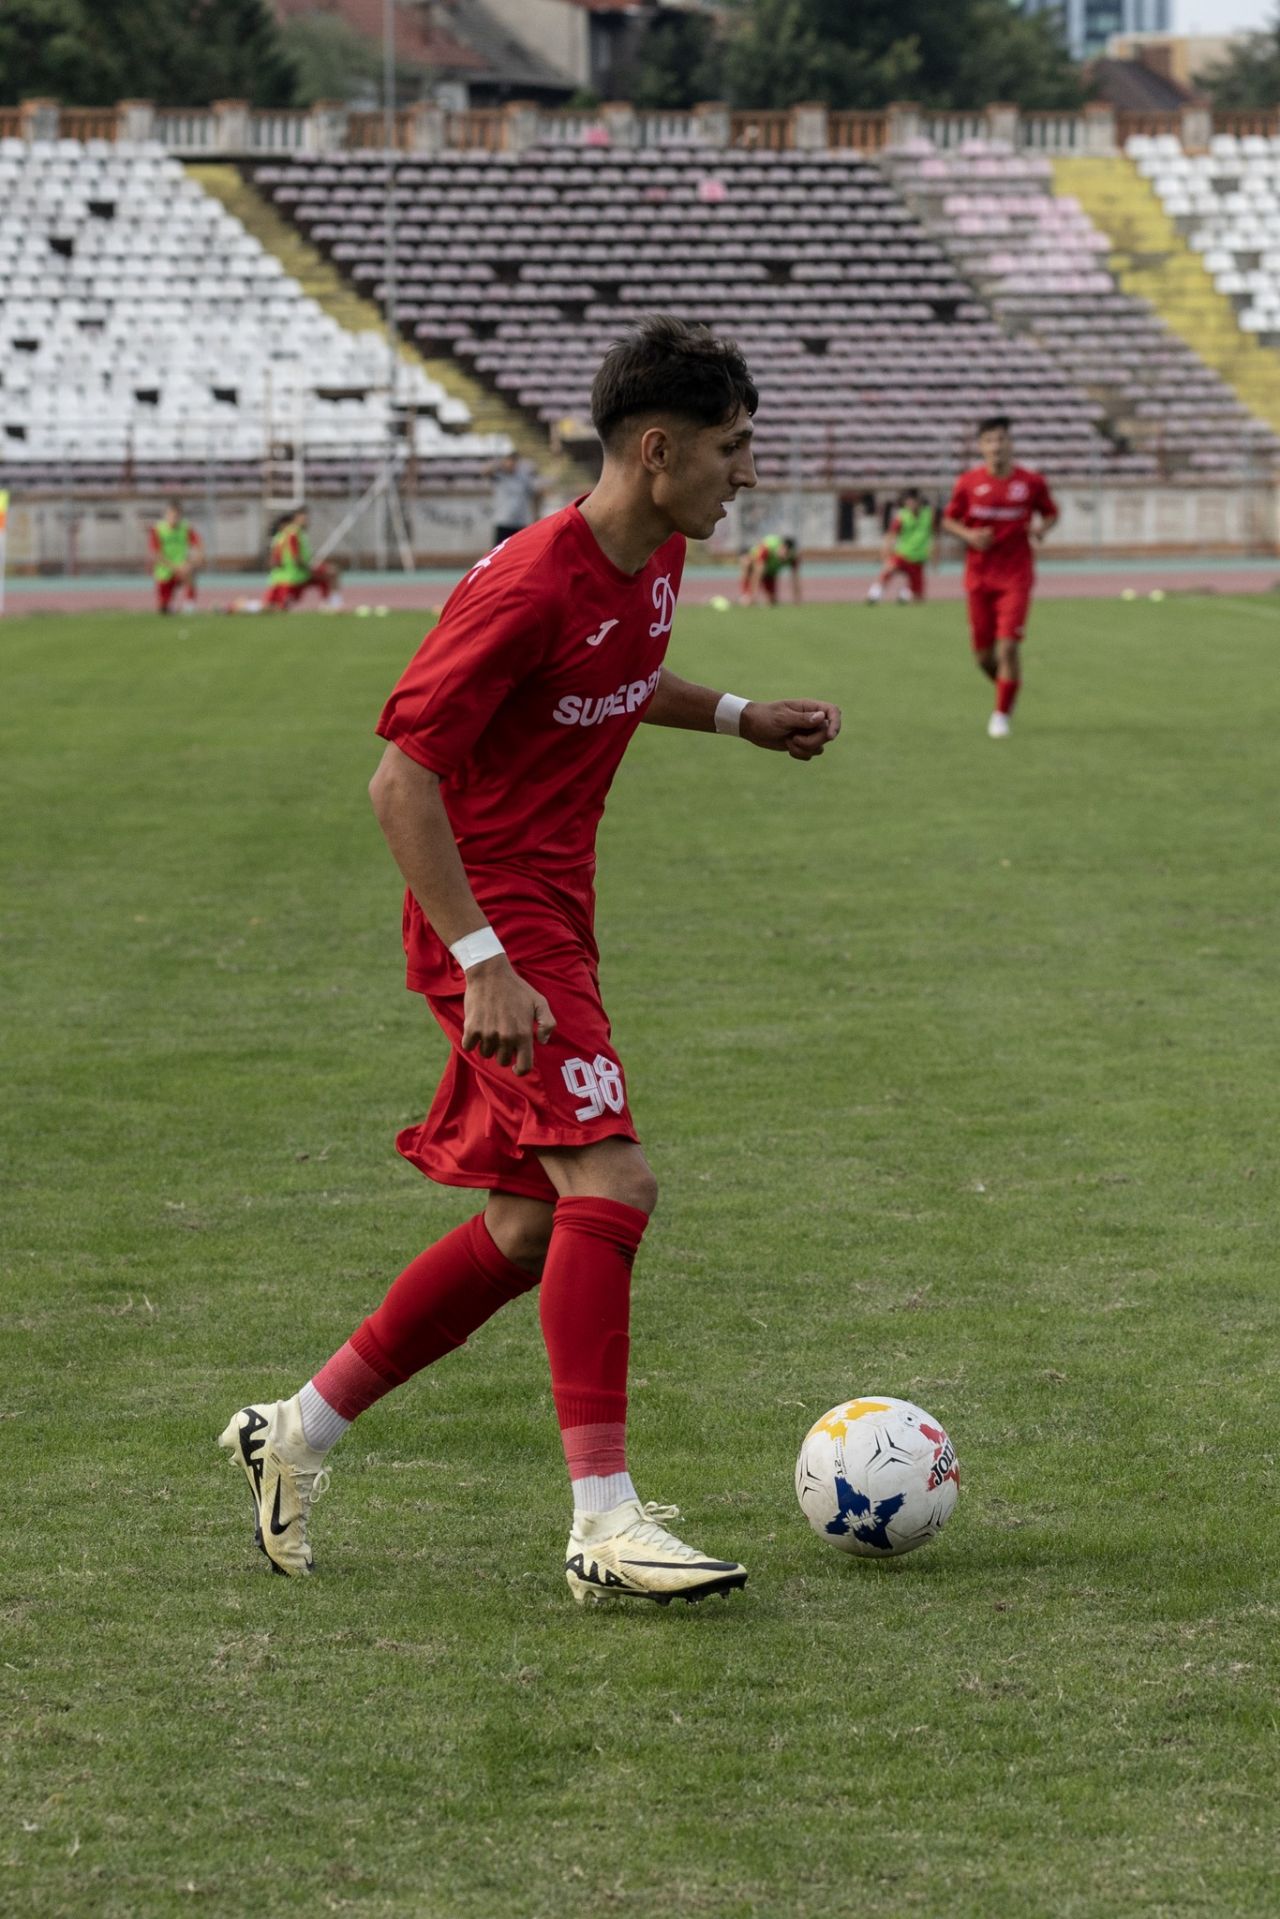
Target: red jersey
(1006, 506)
(524, 699)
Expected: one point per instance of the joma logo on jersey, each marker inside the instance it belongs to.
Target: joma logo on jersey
(581, 709)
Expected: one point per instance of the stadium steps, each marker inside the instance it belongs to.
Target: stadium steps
(1153, 261)
(318, 277)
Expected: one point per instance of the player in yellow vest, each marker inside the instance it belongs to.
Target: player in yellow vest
(908, 548)
(292, 568)
(767, 559)
(176, 552)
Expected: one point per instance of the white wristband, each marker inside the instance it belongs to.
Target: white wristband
(483, 944)
(729, 713)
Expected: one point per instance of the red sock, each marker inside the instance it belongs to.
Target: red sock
(586, 1310)
(434, 1306)
(1006, 694)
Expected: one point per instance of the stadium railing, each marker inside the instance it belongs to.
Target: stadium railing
(234, 129)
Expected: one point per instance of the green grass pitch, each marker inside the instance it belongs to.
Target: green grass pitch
(956, 1061)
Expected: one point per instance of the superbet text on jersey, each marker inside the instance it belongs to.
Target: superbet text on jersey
(1005, 505)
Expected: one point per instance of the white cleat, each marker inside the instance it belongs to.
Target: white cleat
(285, 1477)
(998, 726)
(905, 596)
(627, 1553)
(875, 594)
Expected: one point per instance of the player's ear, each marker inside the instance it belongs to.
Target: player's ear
(655, 449)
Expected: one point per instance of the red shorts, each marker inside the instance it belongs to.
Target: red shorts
(913, 572)
(768, 583)
(998, 612)
(287, 593)
(485, 1125)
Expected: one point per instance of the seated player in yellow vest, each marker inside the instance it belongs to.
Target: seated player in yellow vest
(766, 560)
(292, 568)
(908, 549)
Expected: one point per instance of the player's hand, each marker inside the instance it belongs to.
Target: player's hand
(798, 727)
(502, 1014)
(980, 538)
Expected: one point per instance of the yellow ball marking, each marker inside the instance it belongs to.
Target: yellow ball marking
(837, 1423)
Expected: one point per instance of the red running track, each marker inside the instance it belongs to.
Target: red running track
(1071, 581)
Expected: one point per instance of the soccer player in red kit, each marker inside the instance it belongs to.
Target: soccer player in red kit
(503, 736)
(998, 510)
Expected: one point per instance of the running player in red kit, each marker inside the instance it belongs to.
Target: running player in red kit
(503, 736)
(998, 510)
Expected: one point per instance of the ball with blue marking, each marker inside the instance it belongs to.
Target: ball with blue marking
(877, 1477)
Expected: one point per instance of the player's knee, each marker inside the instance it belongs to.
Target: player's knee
(520, 1229)
(624, 1174)
(611, 1168)
(639, 1186)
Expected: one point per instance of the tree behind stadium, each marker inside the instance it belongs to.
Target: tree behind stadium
(1250, 75)
(175, 52)
(942, 53)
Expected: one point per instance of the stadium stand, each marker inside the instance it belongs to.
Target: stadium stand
(1042, 264)
(1227, 203)
(876, 357)
(144, 331)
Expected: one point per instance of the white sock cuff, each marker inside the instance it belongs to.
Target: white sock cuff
(601, 1492)
(321, 1426)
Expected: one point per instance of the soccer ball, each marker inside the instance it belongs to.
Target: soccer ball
(877, 1477)
(718, 603)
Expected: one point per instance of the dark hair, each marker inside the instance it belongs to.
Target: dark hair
(171, 502)
(670, 366)
(992, 422)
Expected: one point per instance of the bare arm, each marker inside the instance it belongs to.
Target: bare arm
(795, 582)
(1045, 524)
(799, 727)
(977, 537)
(501, 1012)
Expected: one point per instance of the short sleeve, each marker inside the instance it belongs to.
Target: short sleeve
(958, 505)
(491, 635)
(1044, 502)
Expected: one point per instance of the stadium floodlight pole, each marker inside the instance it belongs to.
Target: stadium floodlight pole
(389, 243)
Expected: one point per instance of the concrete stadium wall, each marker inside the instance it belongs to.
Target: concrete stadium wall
(1241, 516)
(52, 535)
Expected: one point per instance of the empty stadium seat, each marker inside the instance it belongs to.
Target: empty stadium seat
(873, 353)
(1227, 204)
(1043, 266)
(140, 323)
